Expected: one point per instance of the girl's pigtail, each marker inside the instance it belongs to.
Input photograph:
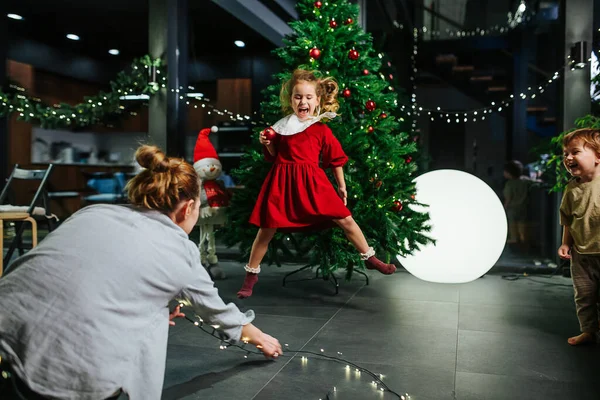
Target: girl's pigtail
(329, 90)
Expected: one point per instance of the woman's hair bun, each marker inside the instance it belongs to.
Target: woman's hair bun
(164, 181)
(152, 158)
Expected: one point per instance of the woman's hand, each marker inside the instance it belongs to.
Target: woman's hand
(343, 194)
(269, 346)
(175, 314)
(564, 252)
(263, 139)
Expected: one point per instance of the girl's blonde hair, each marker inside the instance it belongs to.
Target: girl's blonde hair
(163, 183)
(326, 88)
(590, 137)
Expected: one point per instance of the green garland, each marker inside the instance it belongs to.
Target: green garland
(95, 109)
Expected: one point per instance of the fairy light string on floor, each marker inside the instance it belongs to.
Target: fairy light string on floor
(377, 381)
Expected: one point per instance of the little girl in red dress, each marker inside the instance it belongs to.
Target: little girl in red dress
(297, 194)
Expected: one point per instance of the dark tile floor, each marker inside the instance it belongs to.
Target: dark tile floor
(489, 339)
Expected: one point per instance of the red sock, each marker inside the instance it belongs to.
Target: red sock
(249, 282)
(374, 263)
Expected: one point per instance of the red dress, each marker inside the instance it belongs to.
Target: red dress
(296, 194)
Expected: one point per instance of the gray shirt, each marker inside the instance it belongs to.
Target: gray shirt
(85, 314)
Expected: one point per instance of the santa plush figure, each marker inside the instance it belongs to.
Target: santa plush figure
(214, 198)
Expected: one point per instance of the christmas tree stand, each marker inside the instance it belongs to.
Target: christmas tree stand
(326, 277)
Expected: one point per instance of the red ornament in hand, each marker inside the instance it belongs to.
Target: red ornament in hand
(370, 105)
(365, 72)
(353, 54)
(348, 21)
(346, 93)
(314, 53)
(318, 4)
(269, 133)
(397, 206)
(333, 24)
(371, 129)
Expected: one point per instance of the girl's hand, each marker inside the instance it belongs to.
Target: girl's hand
(263, 139)
(564, 252)
(343, 194)
(175, 314)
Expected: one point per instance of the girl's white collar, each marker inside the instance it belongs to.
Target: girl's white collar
(291, 125)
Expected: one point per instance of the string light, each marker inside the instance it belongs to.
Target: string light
(477, 32)
(377, 378)
(413, 78)
(480, 113)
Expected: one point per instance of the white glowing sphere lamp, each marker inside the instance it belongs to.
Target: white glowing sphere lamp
(468, 223)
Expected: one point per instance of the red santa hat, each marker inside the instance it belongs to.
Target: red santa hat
(204, 152)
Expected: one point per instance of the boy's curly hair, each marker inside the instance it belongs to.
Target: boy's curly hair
(590, 137)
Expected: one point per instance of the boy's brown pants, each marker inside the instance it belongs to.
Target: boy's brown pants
(585, 271)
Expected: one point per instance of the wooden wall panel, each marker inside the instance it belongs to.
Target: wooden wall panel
(19, 132)
(19, 142)
(234, 95)
(23, 74)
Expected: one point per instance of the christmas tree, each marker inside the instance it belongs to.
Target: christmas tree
(380, 171)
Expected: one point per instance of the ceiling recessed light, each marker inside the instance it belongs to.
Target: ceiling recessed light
(239, 43)
(114, 52)
(72, 36)
(15, 16)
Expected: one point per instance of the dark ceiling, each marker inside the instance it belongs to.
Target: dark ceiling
(123, 24)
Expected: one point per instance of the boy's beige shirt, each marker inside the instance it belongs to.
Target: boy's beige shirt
(580, 211)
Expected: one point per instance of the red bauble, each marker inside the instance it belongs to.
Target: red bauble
(269, 133)
(391, 77)
(346, 93)
(318, 4)
(408, 159)
(370, 105)
(332, 24)
(353, 54)
(365, 72)
(412, 196)
(378, 184)
(348, 21)
(383, 115)
(397, 206)
(314, 53)
(371, 129)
